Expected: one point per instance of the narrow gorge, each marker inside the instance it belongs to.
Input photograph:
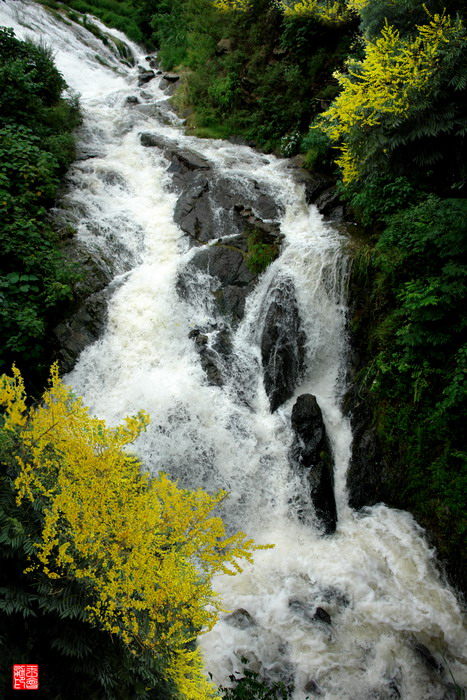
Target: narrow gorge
(214, 296)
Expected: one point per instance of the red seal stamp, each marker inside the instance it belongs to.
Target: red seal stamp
(25, 677)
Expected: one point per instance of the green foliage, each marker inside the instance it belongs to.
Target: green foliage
(402, 108)
(378, 197)
(318, 150)
(415, 300)
(404, 14)
(260, 253)
(261, 84)
(36, 146)
(135, 555)
(44, 621)
(120, 14)
(250, 686)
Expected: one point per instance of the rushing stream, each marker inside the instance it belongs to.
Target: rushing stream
(375, 577)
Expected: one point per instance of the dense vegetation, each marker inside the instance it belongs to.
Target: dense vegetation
(391, 126)
(251, 72)
(400, 123)
(36, 147)
(98, 555)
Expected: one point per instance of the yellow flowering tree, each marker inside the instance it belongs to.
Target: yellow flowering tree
(231, 5)
(328, 11)
(395, 80)
(145, 549)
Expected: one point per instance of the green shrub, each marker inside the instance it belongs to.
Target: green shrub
(317, 148)
(260, 254)
(36, 147)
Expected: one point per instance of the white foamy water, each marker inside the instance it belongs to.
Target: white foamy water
(375, 577)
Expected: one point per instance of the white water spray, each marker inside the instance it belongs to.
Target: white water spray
(375, 577)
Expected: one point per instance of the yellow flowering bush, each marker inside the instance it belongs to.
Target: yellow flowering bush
(146, 549)
(231, 5)
(395, 74)
(330, 11)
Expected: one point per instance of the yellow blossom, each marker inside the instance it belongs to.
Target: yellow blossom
(146, 549)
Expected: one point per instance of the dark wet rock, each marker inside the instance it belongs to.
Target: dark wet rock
(393, 689)
(231, 301)
(322, 616)
(144, 75)
(310, 455)
(252, 222)
(193, 210)
(241, 619)
(84, 327)
(171, 77)
(282, 344)
(211, 206)
(211, 364)
(320, 190)
(223, 342)
(87, 321)
(132, 100)
(330, 205)
(153, 63)
(211, 359)
(313, 688)
(87, 318)
(367, 474)
(183, 160)
(226, 263)
(310, 613)
(315, 183)
(427, 657)
(241, 141)
(167, 85)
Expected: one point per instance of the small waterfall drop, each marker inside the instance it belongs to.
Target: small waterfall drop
(375, 577)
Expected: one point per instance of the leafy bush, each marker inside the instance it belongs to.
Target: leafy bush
(260, 254)
(138, 553)
(36, 146)
(414, 294)
(404, 104)
(317, 148)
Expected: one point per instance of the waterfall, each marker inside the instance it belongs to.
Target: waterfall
(375, 577)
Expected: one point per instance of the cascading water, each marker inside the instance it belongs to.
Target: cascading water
(375, 577)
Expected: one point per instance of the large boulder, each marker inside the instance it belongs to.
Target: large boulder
(211, 205)
(310, 455)
(282, 344)
(233, 281)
